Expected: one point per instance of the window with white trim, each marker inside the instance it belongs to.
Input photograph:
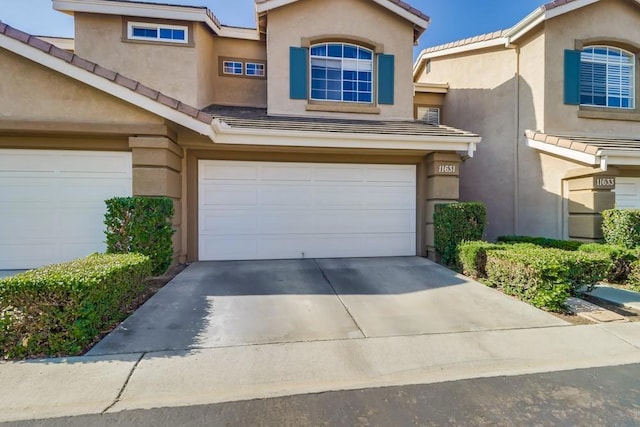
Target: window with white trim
(232, 67)
(158, 32)
(607, 77)
(341, 72)
(254, 69)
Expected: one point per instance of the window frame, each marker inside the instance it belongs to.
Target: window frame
(356, 92)
(234, 64)
(632, 87)
(132, 25)
(258, 65)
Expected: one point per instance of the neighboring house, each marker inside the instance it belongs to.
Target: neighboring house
(295, 139)
(555, 99)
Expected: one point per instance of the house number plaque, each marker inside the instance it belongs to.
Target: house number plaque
(604, 182)
(446, 168)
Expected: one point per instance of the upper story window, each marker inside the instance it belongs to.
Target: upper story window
(158, 32)
(341, 72)
(254, 69)
(607, 77)
(232, 67)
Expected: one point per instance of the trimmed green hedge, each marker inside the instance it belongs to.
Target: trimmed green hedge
(472, 257)
(621, 227)
(633, 279)
(454, 223)
(544, 277)
(621, 259)
(60, 309)
(567, 245)
(141, 225)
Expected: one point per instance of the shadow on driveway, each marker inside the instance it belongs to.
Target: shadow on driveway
(229, 303)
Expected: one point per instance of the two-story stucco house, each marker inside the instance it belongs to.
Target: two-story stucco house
(293, 139)
(555, 99)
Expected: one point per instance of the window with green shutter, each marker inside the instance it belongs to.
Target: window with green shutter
(386, 76)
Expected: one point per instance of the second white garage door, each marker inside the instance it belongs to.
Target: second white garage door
(259, 210)
(52, 203)
(627, 193)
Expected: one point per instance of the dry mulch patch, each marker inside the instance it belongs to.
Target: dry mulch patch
(152, 285)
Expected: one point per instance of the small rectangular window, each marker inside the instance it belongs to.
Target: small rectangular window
(430, 115)
(254, 69)
(232, 67)
(158, 32)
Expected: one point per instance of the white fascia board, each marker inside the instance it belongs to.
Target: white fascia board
(569, 7)
(175, 13)
(512, 36)
(500, 41)
(224, 134)
(400, 11)
(613, 160)
(105, 85)
(273, 4)
(240, 33)
(414, 19)
(589, 159)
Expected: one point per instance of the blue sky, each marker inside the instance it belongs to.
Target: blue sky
(450, 19)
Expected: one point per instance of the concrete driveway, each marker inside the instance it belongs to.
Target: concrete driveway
(231, 303)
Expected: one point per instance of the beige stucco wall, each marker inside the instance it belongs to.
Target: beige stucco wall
(225, 90)
(609, 19)
(39, 94)
(356, 18)
(482, 99)
(169, 68)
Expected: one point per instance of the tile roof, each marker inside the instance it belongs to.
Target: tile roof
(257, 118)
(475, 39)
(490, 36)
(588, 145)
(105, 73)
(402, 4)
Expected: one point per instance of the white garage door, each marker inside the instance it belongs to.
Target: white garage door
(627, 193)
(52, 203)
(258, 210)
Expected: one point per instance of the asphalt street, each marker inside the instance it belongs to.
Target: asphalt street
(607, 396)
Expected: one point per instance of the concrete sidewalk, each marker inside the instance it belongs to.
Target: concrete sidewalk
(617, 296)
(89, 385)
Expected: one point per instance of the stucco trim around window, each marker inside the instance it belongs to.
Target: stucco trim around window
(340, 107)
(243, 62)
(376, 47)
(128, 22)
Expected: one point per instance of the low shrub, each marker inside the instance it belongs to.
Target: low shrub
(633, 279)
(621, 259)
(621, 227)
(60, 309)
(567, 245)
(544, 277)
(472, 257)
(454, 223)
(141, 225)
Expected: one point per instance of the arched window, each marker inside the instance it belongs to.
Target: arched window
(607, 77)
(341, 72)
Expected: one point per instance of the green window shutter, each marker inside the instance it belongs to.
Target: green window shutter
(572, 77)
(298, 72)
(386, 73)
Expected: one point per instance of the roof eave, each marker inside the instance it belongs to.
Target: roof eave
(225, 134)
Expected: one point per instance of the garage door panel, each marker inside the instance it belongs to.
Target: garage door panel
(285, 172)
(229, 195)
(338, 174)
(221, 171)
(627, 193)
(306, 210)
(393, 174)
(55, 211)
